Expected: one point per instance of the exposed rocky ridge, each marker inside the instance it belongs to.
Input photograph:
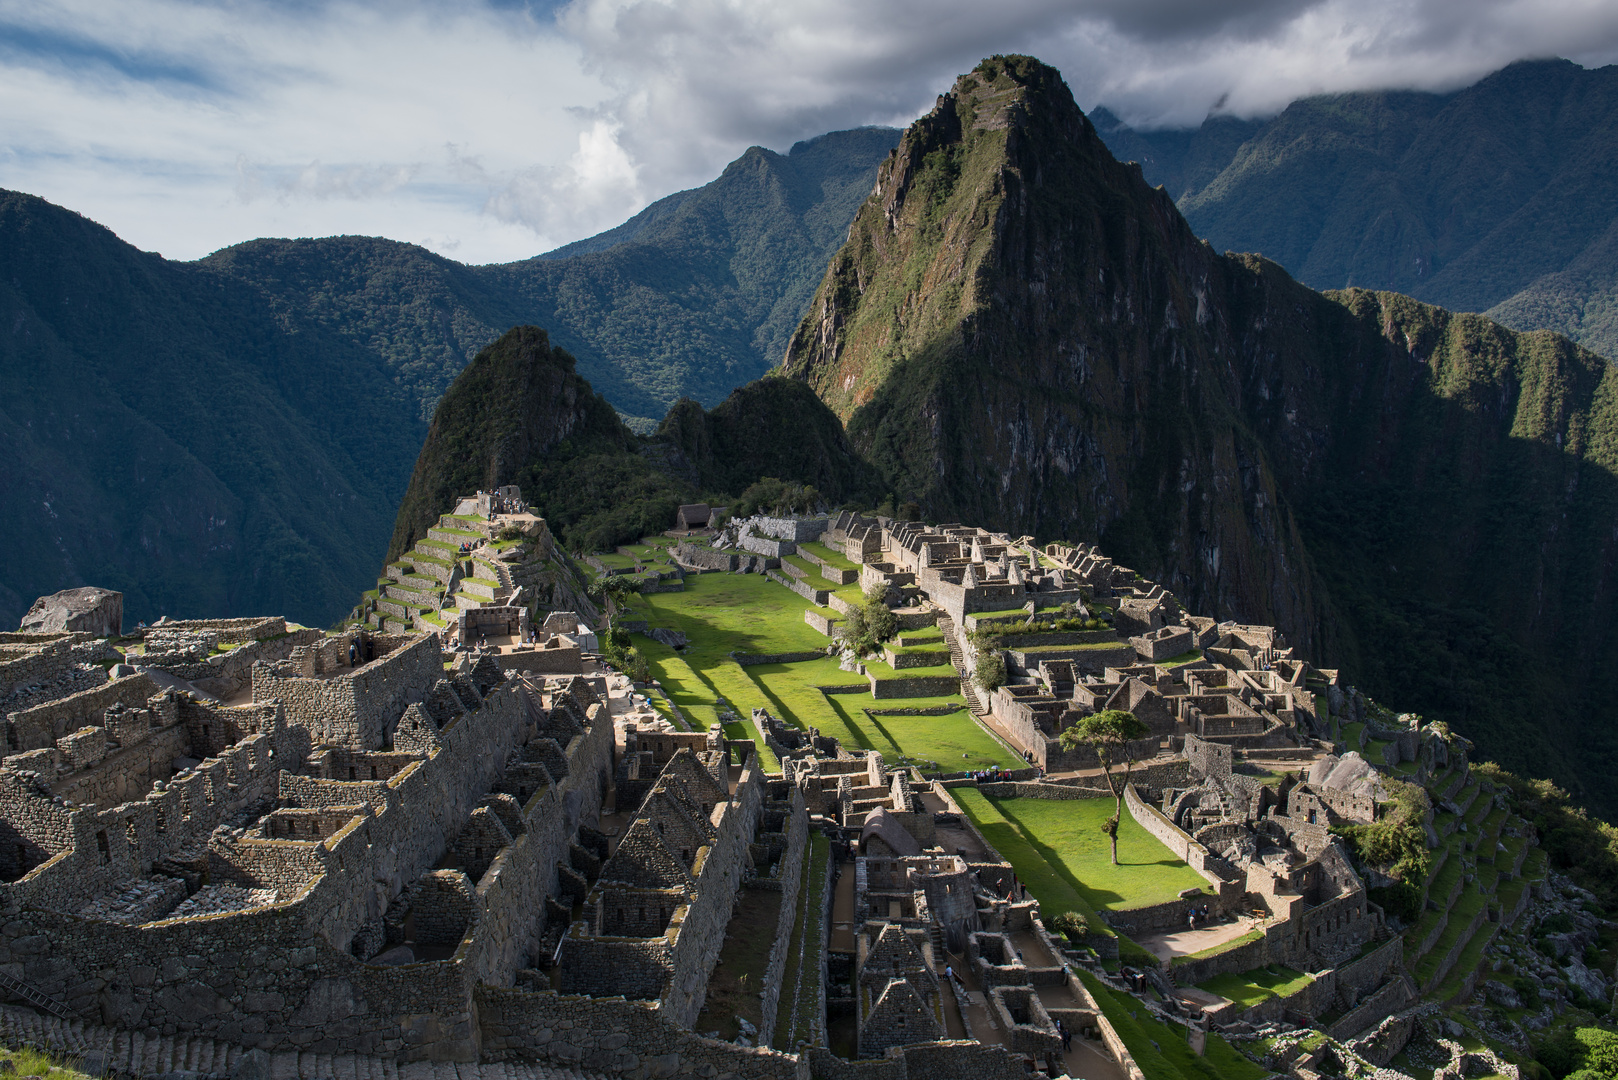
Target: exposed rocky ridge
(1022, 333)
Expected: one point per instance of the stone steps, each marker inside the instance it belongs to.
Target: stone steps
(134, 1053)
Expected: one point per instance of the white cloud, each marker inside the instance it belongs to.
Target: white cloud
(495, 133)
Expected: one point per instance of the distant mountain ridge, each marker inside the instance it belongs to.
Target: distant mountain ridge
(1500, 197)
(232, 436)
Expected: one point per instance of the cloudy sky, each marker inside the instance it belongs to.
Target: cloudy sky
(491, 131)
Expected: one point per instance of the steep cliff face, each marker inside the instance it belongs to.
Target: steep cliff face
(1017, 334)
(1021, 333)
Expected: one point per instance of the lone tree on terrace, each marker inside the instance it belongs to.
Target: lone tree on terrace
(615, 593)
(1111, 735)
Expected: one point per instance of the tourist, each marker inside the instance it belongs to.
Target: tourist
(1065, 1035)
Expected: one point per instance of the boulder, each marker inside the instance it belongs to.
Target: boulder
(88, 610)
(1502, 995)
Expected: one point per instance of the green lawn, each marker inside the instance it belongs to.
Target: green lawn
(722, 613)
(790, 690)
(828, 556)
(1055, 892)
(1257, 986)
(1160, 1049)
(748, 613)
(1067, 835)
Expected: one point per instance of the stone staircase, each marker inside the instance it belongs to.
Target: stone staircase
(129, 1053)
(957, 657)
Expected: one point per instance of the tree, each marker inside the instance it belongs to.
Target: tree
(1111, 734)
(615, 593)
(990, 674)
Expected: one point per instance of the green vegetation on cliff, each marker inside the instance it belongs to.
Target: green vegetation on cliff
(521, 414)
(1498, 197)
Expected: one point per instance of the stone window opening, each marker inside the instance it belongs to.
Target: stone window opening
(640, 914)
(185, 807)
(353, 774)
(373, 772)
(204, 733)
(22, 859)
(103, 847)
(157, 820)
(685, 853)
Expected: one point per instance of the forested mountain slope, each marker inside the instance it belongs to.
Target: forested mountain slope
(1023, 334)
(1500, 197)
(233, 435)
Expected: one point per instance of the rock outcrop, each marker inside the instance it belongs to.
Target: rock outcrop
(88, 610)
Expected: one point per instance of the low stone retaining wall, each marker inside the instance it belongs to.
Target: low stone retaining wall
(824, 623)
(1064, 637)
(828, 571)
(928, 658)
(1042, 791)
(916, 619)
(915, 686)
(808, 592)
(1086, 661)
(749, 659)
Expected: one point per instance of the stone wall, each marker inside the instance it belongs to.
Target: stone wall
(614, 1037)
(802, 588)
(358, 709)
(914, 686)
(228, 674)
(704, 558)
(789, 873)
(47, 658)
(749, 659)
(42, 725)
(788, 528)
(278, 976)
(1180, 842)
(820, 621)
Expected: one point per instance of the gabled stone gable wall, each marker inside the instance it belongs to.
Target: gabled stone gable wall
(359, 709)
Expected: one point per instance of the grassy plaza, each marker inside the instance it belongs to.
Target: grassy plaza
(721, 614)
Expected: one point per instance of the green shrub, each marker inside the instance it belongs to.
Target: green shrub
(1071, 925)
(990, 674)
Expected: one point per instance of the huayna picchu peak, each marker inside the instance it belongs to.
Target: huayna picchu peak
(1022, 333)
